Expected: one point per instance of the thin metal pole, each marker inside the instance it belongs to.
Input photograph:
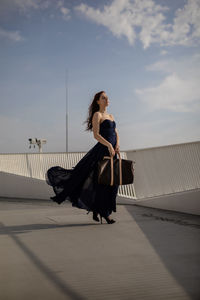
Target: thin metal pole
(66, 82)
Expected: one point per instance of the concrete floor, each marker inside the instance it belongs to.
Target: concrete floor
(50, 251)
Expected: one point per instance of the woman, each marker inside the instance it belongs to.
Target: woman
(80, 184)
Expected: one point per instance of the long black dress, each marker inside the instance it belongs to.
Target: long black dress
(79, 185)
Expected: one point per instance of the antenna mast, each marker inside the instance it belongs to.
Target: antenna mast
(66, 83)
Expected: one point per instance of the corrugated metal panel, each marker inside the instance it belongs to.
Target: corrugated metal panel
(165, 170)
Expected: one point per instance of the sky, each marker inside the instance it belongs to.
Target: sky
(145, 54)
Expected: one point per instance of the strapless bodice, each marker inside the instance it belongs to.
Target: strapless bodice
(107, 123)
(107, 130)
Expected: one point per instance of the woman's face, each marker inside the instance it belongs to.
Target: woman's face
(103, 100)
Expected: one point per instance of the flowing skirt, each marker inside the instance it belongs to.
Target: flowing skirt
(80, 184)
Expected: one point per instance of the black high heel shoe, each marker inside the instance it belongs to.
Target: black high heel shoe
(109, 221)
(95, 216)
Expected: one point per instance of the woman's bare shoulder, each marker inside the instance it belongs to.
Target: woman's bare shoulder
(96, 115)
(111, 116)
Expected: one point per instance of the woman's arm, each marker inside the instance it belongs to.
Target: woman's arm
(117, 135)
(117, 143)
(95, 124)
(117, 147)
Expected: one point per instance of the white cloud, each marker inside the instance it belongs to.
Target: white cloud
(11, 35)
(64, 10)
(145, 20)
(25, 7)
(65, 13)
(186, 27)
(122, 18)
(179, 90)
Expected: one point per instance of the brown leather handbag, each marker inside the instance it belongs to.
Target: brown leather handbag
(114, 171)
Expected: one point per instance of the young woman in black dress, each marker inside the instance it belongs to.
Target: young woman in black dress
(80, 184)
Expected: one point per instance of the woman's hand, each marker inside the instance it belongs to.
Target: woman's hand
(111, 150)
(117, 148)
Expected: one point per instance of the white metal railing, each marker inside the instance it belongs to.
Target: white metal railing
(35, 165)
(158, 170)
(167, 169)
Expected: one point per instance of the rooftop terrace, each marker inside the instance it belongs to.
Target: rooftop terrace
(58, 252)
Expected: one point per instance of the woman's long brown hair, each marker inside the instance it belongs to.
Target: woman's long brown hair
(94, 106)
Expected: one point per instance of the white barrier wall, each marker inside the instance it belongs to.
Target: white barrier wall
(16, 186)
(35, 165)
(166, 177)
(166, 170)
(186, 202)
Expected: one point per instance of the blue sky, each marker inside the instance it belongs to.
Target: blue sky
(143, 53)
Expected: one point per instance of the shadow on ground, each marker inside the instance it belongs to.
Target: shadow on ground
(48, 273)
(176, 239)
(17, 229)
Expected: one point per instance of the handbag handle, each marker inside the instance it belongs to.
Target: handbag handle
(112, 169)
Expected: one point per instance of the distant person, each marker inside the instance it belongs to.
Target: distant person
(80, 185)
